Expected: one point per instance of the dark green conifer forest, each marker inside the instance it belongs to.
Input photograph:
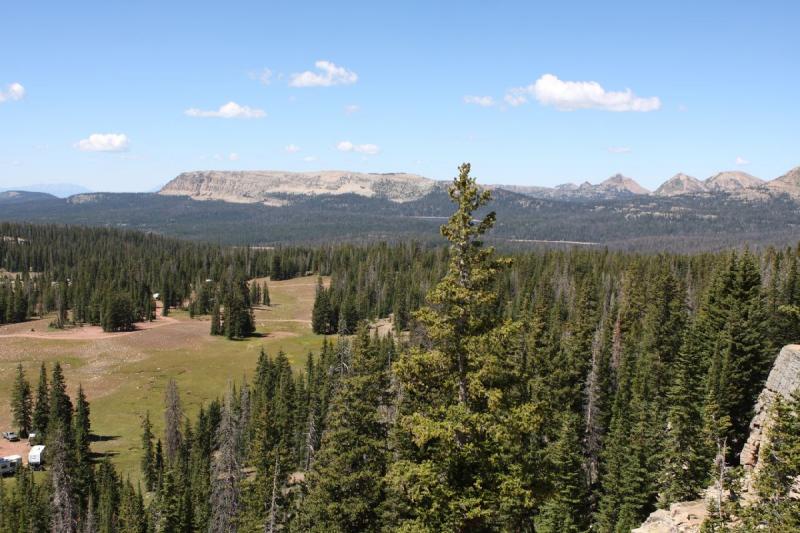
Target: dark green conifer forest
(527, 391)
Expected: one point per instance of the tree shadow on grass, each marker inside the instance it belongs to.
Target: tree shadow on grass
(102, 438)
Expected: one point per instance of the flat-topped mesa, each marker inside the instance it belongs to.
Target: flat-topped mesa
(268, 186)
(681, 184)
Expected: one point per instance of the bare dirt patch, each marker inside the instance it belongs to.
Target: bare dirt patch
(20, 447)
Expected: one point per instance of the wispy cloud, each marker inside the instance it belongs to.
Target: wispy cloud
(549, 90)
(483, 101)
(619, 150)
(291, 149)
(104, 142)
(229, 110)
(368, 149)
(12, 92)
(352, 108)
(741, 161)
(327, 75)
(264, 75)
(310, 158)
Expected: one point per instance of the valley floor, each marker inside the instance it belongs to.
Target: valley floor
(124, 374)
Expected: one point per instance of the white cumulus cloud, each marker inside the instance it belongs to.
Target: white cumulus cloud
(483, 101)
(291, 149)
(742, 161)
(549, 90)
(233, 156)
(229, 110)
(327, 74)
(368, 149)
(104, 142)
(13, 91)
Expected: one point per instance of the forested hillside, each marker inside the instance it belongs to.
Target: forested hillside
(548, 391)
(641, 223)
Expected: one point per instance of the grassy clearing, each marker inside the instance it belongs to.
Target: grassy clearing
(125, 376)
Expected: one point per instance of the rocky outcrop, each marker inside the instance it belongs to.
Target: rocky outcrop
(783, 380)
(681, 517)
(687, 517)
(273, 187)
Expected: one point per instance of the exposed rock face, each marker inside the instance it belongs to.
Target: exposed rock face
(681, 184)
(783, 380)
(687, 517)
(731, 181)
(682, 517)
(269, 186)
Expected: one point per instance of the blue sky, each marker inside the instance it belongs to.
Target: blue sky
(124, 96)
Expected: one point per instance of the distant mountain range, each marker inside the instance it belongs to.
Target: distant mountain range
(734, 183)
(59, 190)
(279, 187)
(274, 208)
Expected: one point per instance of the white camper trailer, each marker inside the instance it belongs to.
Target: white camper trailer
(36, 457)
(9, 465)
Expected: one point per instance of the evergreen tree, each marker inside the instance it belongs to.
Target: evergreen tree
(60, 415)
(216, 325)
(322, 314)
(173, 418)
(21, 403)
(742, 359)
(461, 423)
(148, 466)
(64, 508)
(226, 473)
(566, 509)
(83, 479)
(41, 410)
(346, 479)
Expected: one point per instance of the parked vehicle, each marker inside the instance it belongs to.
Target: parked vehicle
(36, 457)
(10, 464)
(10, 436)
